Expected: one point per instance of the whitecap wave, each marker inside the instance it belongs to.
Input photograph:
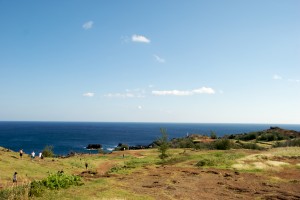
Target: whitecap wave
(110, 149)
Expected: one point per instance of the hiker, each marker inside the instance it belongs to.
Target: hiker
(15, 177)
(40, 155)
(32, 155)
(86, 165)
(21, 153)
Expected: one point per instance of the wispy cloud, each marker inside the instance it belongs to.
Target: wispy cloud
(140, 38)
(159, 59)
(88, 25)
(135, 93)
(202, 90)
(88, 94)
(294, 80)
(277, 77)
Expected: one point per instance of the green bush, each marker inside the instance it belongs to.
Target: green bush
(288, 143)
(53, 181)
(251, 146)
(223, 144)
(15, 193)
(206, 162)
(213, 135)
(202, 145)
(182, 143)
(218, 159)
(272, 136)
(48, 151)
(37, 188)
(121, 147)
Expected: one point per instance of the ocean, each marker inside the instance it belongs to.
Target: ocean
(66, 137)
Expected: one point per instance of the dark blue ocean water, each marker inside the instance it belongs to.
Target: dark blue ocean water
(74, 136)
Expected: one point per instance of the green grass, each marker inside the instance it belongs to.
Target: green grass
(221, 160)
(112, 188)
(132, 163)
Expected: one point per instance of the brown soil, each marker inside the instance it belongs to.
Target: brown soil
(170, 182)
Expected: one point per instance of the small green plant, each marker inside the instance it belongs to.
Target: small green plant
(48, 151)
(213, 135)
(251, 146)
(223, 144)
(122, 147)
(53, 181)
(288, 143)
(163, 144)
(15, 193)
(218, 159)
(37, 188)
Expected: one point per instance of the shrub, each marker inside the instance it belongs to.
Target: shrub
(202, 145)
(182, 143)
(48, 151)
(53, 181)
(223, 144)
(251, 146)
(37, 188)
(121, 147)
(288, 143)
(213, 135)
(206, 162)
(218, 159)
(15, 193)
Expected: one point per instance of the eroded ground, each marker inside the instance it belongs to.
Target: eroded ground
(273, 177)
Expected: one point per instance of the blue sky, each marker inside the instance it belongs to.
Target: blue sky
(150, 61)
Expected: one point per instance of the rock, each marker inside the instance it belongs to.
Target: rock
(94, 146)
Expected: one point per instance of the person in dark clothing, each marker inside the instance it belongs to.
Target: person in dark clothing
(21, 153)
(86, 165)
(15, 180)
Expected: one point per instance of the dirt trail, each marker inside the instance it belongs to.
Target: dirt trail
(104, 168)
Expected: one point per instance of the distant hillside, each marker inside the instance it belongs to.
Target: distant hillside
(271, 134)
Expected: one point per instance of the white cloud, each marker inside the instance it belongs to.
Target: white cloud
(202, 90)
(124, 95)
(88, 94)
(88, 25)
(277, 77)
(159, 59)
(140, 107)
(140, 38)
(294, 80)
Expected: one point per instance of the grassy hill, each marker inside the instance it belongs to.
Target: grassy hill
(140, 174)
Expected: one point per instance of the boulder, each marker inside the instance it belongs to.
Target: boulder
(94, 146)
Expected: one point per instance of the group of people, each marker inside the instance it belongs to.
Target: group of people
(32, 155)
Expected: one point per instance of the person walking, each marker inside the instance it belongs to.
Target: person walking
(15, 179)
(21, 153)
(32, 155)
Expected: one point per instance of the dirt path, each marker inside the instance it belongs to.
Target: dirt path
(104, 168)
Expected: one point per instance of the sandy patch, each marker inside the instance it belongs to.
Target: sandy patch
(276, 163)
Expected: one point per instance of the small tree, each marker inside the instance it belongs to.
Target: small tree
(48, 151)
(163, 145)
(213, 135)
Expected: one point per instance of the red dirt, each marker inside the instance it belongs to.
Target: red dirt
(192, 183)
